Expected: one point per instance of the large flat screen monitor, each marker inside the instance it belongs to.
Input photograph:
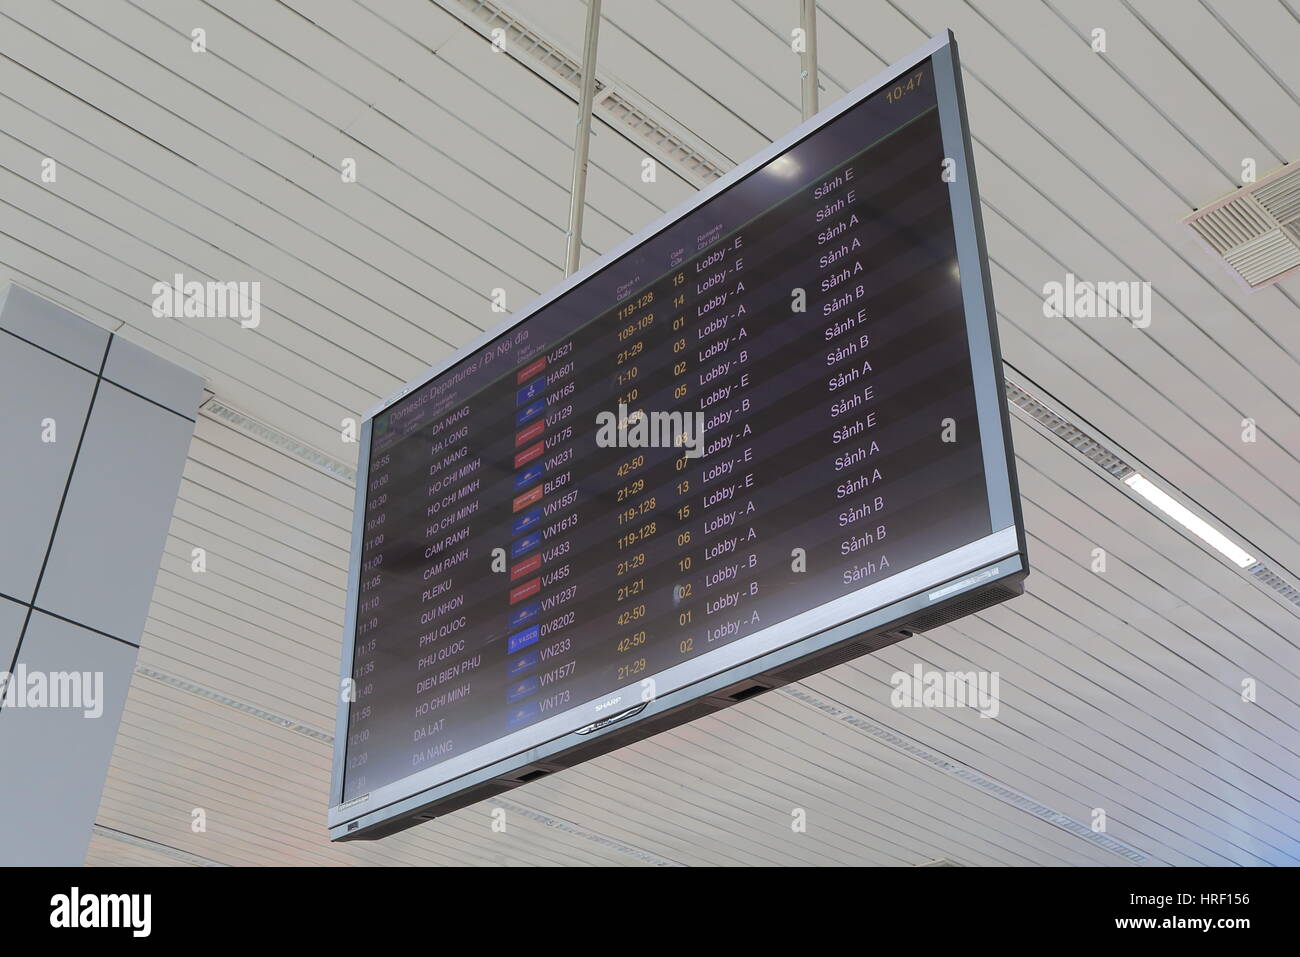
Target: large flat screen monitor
(763, 436)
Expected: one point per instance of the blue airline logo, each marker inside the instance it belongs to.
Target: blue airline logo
(523, 639)
(523, 663)
(530, 411)
(524, 522)
(525, 544)
(524, 614)
(531, 391)
(528, 476)
(522, 689)
(523, 714)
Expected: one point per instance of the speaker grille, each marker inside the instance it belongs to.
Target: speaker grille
(837, 655)
(975, 601)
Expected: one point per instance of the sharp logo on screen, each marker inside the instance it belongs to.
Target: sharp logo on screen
(53, 689)
(608, 703)
(130, 911)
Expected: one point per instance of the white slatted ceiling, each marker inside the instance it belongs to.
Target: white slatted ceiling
(108, 851)
(1119, 691)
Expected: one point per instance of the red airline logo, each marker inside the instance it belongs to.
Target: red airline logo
(530, 370)
(534, 494)
(526, 567)
(527, 435)
(527, 590)
(528, 454)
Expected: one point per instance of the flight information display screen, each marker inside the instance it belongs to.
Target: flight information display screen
(765, 406)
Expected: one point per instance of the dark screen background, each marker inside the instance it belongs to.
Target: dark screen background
(823, 434)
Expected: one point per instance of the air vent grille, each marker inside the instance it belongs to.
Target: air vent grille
(215, 408)
(182, 684)
(1281, 198)
(1256, 230)
(1068, 432)
(1265, 575)
(1260, 259)
(547, 59)
(1236, 224)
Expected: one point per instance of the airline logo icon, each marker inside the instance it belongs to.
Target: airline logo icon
(528, 454)
(522, 689)
(530, 432)
(530, 392)
(522, 639)
(526, 567)
(528, 476)
(530, 411)
(527, 590)
(522, 664)
(531, 497)
(525, 543)
(530, 370)
(524, 714)
(521, 616)
(526, 521)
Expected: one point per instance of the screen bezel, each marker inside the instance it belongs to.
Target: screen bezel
(784, 639)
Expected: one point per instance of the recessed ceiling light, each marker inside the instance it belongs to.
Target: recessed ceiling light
(1197, 526)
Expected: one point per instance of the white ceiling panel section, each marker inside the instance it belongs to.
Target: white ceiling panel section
(1120, 691)
(110, 849)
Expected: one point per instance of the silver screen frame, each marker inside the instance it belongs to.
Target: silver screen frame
(999, 555)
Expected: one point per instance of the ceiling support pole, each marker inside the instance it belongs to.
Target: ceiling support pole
(582, 141)
(808, 59)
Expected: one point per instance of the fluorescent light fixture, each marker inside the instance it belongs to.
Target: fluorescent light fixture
(1201, 529)
(550, 62)
(1037, 410)
(1065, 430)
